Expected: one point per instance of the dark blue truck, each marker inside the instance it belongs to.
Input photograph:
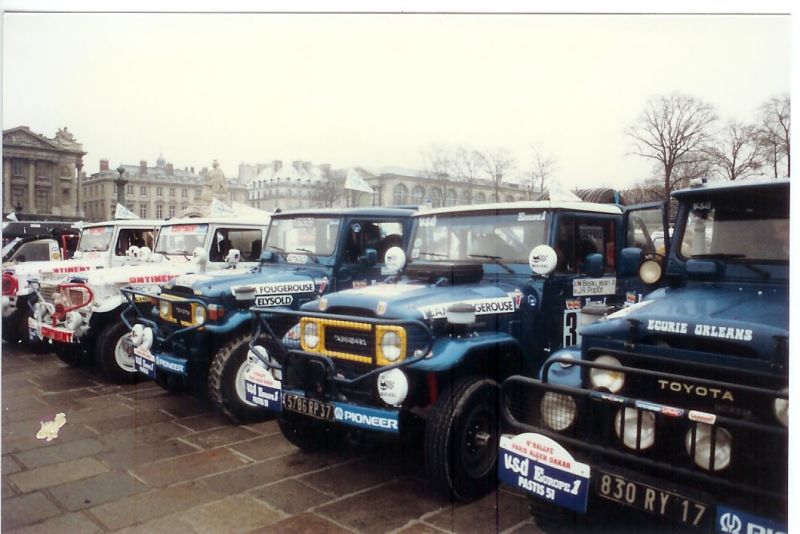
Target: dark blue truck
(677, 407)
(197, 334)
(484, 292)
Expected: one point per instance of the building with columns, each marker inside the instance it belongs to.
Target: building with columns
(41, 175)
(154, 192)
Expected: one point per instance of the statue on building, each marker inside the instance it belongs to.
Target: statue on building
(66, 139)
(215, 185)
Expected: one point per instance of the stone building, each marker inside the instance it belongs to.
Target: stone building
(282, 186)
(158, 192)
(41, 175)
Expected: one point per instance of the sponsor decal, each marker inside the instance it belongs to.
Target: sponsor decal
(594, 286)
(701, 206)
(185, 229)
(262, 389)
(693, 389)
(427, 222)
(607, 397)
(303, 222)
(532, 301)
(387, 290)
(573, 304)
(630, 298)
(100, 230)
(174, 365)
(151, 279)
(323, 304)
(369, 418)
(57, 334)
(359, 284)
(517, 296)
(667, 326)
(381, 309)
(545, 469)
(702, 417)
(280, 288)
(323, 285)
(296, 258)
(350, 340)
(732, 521)
(649, 406)
(356, 228)
(722, 332)
(522, 217)
(72, 269)
(671, 411)
(274, 300)
(482, 307)
(144, 361)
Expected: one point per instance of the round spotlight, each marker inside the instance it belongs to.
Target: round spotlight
(607, 378)
(558, 411)
(648, 430)
(702, 449)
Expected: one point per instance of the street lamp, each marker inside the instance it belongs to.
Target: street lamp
(121, 183)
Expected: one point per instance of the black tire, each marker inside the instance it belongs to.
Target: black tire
(72, 355)
(15, 327)
(113, 360)
(461, 439)
(552, 519)
(226, 382)
(308, 434)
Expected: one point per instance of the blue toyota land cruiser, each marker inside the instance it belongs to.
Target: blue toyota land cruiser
(487, 292)
(197, 334)
(676, 407)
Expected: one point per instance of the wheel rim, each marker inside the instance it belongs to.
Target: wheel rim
(122, 356)
(479, 442)
(239, 385)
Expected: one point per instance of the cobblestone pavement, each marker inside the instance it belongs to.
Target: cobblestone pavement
(138, 459)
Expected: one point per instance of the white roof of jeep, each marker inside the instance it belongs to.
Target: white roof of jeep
(124, 222)
(570, 205)
(227, 221)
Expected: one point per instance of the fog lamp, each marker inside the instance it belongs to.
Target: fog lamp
(393, 387)
(606, 378)
(647, 433)
(702, 449)
(558, 410)
(782, 410)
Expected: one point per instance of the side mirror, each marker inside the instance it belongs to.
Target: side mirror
(593, 265)
(369, 258)
(631, 258)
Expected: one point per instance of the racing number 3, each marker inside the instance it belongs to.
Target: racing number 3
(571, 328)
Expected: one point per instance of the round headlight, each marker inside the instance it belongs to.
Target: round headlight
(650, 271)
(606, 378)
(782, 410)
(647, 436)
(310, 335)
(558, 411)
(199, 315)
(390, 346)
(163, 308)
(702, 449)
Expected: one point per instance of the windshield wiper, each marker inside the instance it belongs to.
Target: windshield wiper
(438, 255)
(275, 247)
(495, 259)
(310, 254)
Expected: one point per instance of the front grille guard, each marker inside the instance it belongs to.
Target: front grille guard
(284, 358)
(127, 315)
(46, 296)
(514, 389)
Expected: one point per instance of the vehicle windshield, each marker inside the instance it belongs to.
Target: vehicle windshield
(304, 235)
(96, 238)
(181, 239)
(481, 237)
(756, 230)
(8, 247)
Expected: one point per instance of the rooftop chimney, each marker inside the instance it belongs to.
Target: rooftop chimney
(169, 169)
(276, 165)
(307, 166)
(142, 168)
(103, 165)
(296, 164)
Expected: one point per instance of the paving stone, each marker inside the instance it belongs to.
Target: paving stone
(14, 402)
(96, 490)
(143, 507)
(60, 452)
(7, 489)
(76, 522)
(268, 427)
(264, 447)
(529, 527)
(55, 474)
(10, 466)
(68, 432)
(66, 380)
(97, 414)
(307, 523)
(353, 476)
(138, 454)
(221, 436)
(416, 527)
(191, 466)
(126, 437)
(146, 390)
(176, 405)
(240, 513)
(385, 509)
(261, 473)
(39, 411)
(26, 510)
(129, 419)
(497, 511)
(291, 496)
(198, 423)
(171, 524)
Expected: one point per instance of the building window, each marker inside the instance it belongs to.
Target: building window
(172, 211)
(399, 195)
(16, 167)
(197, 193)
(436, 197)
(143, 211)
(159, 191)
(129, 189)
(43, 200)
(41, 169)
(184, 193)
(172, 192)
(417, 193)
(143, 190)
(451, 198)
(184, 206)
(159, 211)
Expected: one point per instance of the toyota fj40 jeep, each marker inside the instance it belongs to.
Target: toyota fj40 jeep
(102, 245)
(197, 335)
(676, 407)
(80, 315)
(466, 313)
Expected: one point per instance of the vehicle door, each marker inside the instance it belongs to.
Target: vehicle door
(363, 248)
(247, 240)
(644, 234)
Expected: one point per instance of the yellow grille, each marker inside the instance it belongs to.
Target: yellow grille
(169, 315)
(380, 331)
(320, 348)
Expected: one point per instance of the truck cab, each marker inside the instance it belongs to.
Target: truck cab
(196, 336)
(101, 245)
(675, 408)
(483, 292)
(79, 314)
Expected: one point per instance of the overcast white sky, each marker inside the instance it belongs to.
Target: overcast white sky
(377, 90)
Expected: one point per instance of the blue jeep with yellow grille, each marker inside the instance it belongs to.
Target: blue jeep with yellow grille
(675, 408)
(484, 292)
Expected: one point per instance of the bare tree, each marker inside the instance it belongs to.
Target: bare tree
(736, 152)
(670, 129)
(466, 167)
(496, 164)
(649, 190)
(539, 173)
(774, 129)
(437, 169)
(330, 191)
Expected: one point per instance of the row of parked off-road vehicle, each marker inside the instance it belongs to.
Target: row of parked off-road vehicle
(564, 347)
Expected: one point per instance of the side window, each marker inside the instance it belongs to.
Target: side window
(646, 231)
(579, 237)
(129, 237)
(246, 240)
(377, 235)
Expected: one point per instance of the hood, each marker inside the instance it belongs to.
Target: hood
(268, 280)
(152, 273)
(421, 301)
(35, 268)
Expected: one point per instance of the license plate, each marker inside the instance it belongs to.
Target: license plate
(652, 500)
(306, 406)
(144, 361)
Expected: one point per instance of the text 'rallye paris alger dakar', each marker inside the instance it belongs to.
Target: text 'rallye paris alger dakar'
(676, 408)
(196, 335)
(487, 292)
